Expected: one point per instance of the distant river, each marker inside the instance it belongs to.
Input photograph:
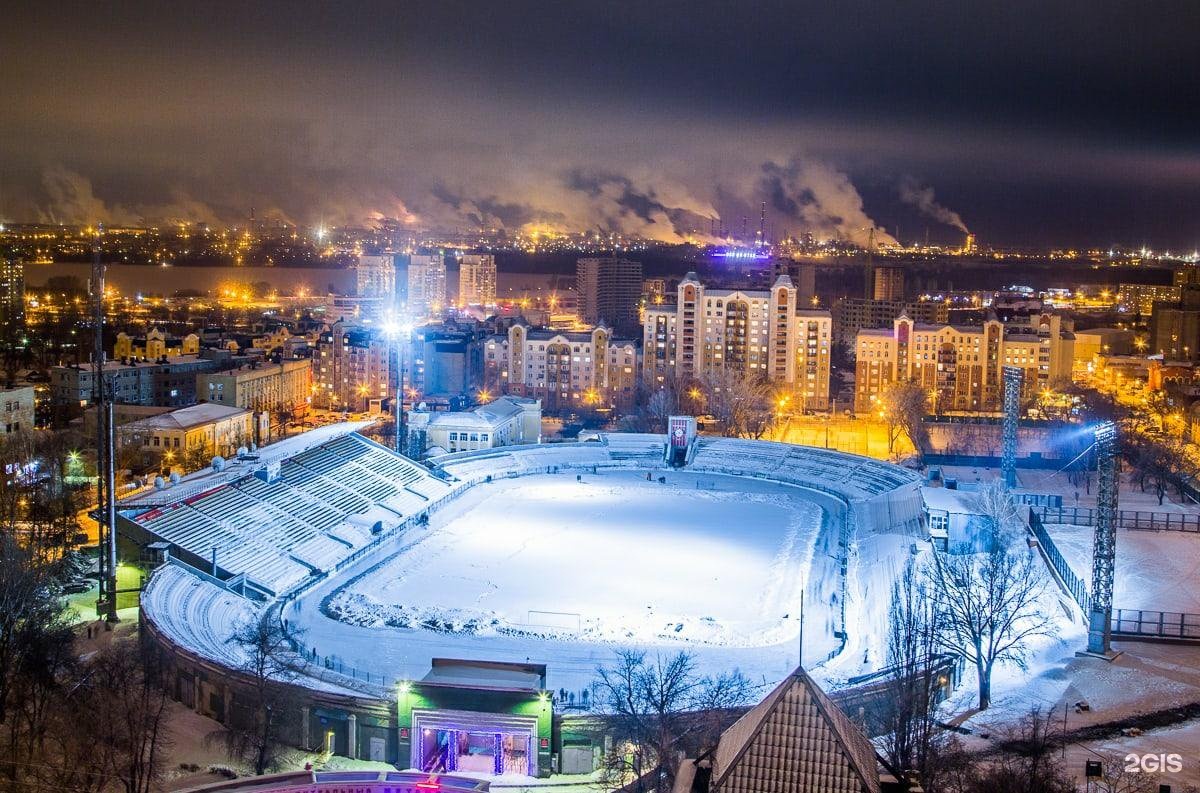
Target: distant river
(150, 280)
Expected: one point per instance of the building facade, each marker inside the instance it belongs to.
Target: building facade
(850, 315)
(154, 345)
(610, 290)
(1140, 298)
(12, 299)
(218, 429)
(426, 285)
(961, 366)
(754, 333)
(445, 359)
(18, 406)
(477, 280)
(261, 386)
(165, 382)
(565, 370)
(351, 367)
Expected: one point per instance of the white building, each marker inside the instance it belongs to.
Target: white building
(477, 280)
(426, 285)
(375, 277)
(507, 421)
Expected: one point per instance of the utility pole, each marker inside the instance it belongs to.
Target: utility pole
(106, 604)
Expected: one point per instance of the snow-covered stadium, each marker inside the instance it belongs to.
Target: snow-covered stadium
(534, 564)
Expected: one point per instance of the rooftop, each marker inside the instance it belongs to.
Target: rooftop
(186, 418)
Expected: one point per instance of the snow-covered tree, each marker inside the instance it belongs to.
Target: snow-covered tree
(989, 606)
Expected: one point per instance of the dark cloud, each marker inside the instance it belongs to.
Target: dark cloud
(663, 113)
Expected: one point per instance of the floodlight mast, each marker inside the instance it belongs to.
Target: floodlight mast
(1104, 549)
(102, 400)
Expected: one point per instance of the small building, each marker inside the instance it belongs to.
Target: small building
(482, 717)
(220, 428)
(17, 404)
(507, 421)
(795, 740)
(1093, 343)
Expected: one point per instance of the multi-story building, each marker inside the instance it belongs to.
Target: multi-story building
(753, 332)
(962, 365)
(852, 314)
(165, 382)
(888, 282)
(445, 359)
(1175, 327)
(18, 406)
(351, 367)
(477, 280)
(610, 290)
(375, 276)
(1140, 298)
(564, 370)
(261, 386)
(507, 421)
(12, 299)
(803, 273)
(654, 291)
(426, 284)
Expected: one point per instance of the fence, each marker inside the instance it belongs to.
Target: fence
(1126, 519)
(1074, 584)
(1127, 623)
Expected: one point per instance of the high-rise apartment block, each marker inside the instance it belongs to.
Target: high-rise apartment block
(12, 299)
(477, 280)
(962, 365)
(426, 285)
(609, 291)
(755, 333)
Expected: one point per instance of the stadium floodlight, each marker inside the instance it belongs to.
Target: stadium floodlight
(1104, 548)
(396, 329)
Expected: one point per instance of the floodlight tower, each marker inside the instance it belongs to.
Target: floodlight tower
(398, 334)
(1104, 549)
(102, 399)
(1012, 406)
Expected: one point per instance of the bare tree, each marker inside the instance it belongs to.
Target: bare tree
(989, 606)
(904, 409)
(740, 401)
(256, 733)
(661, 710)
(995, 504)
(912, 648)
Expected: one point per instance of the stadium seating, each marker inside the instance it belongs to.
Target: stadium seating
(307, 520)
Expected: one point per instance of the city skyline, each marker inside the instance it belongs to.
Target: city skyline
(1039, 126)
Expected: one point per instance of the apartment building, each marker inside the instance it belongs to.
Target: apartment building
(962, 365)
(753, 332)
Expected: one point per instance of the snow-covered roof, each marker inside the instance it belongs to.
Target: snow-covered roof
(187, 418)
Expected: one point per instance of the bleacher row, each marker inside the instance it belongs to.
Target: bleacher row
(197, 614)
(278, 533)
(856, 478)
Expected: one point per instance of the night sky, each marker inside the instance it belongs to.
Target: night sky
(1067, 123)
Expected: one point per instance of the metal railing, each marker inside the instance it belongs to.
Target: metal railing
(1073, 583)
(1126, 519)
(1156, 624)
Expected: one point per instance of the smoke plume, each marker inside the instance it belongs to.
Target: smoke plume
(822, 199)
(913, 194)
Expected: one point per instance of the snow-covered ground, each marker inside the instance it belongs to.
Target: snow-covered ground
(549, 569)
(1156, 570)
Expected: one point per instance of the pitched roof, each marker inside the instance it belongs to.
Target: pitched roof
(794, 741)
(186, 418)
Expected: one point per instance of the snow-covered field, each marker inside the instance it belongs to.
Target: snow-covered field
(1156, 570)
(560, 571)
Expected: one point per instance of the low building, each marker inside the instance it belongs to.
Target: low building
(1089, 344)
(506, 421)
(445, 359)
(167, 382)
(795, 740)
(18, 406)
(216, 429)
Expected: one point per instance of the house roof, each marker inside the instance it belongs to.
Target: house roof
(796, 740)
(186, 418)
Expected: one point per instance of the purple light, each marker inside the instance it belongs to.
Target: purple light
(740, 253)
